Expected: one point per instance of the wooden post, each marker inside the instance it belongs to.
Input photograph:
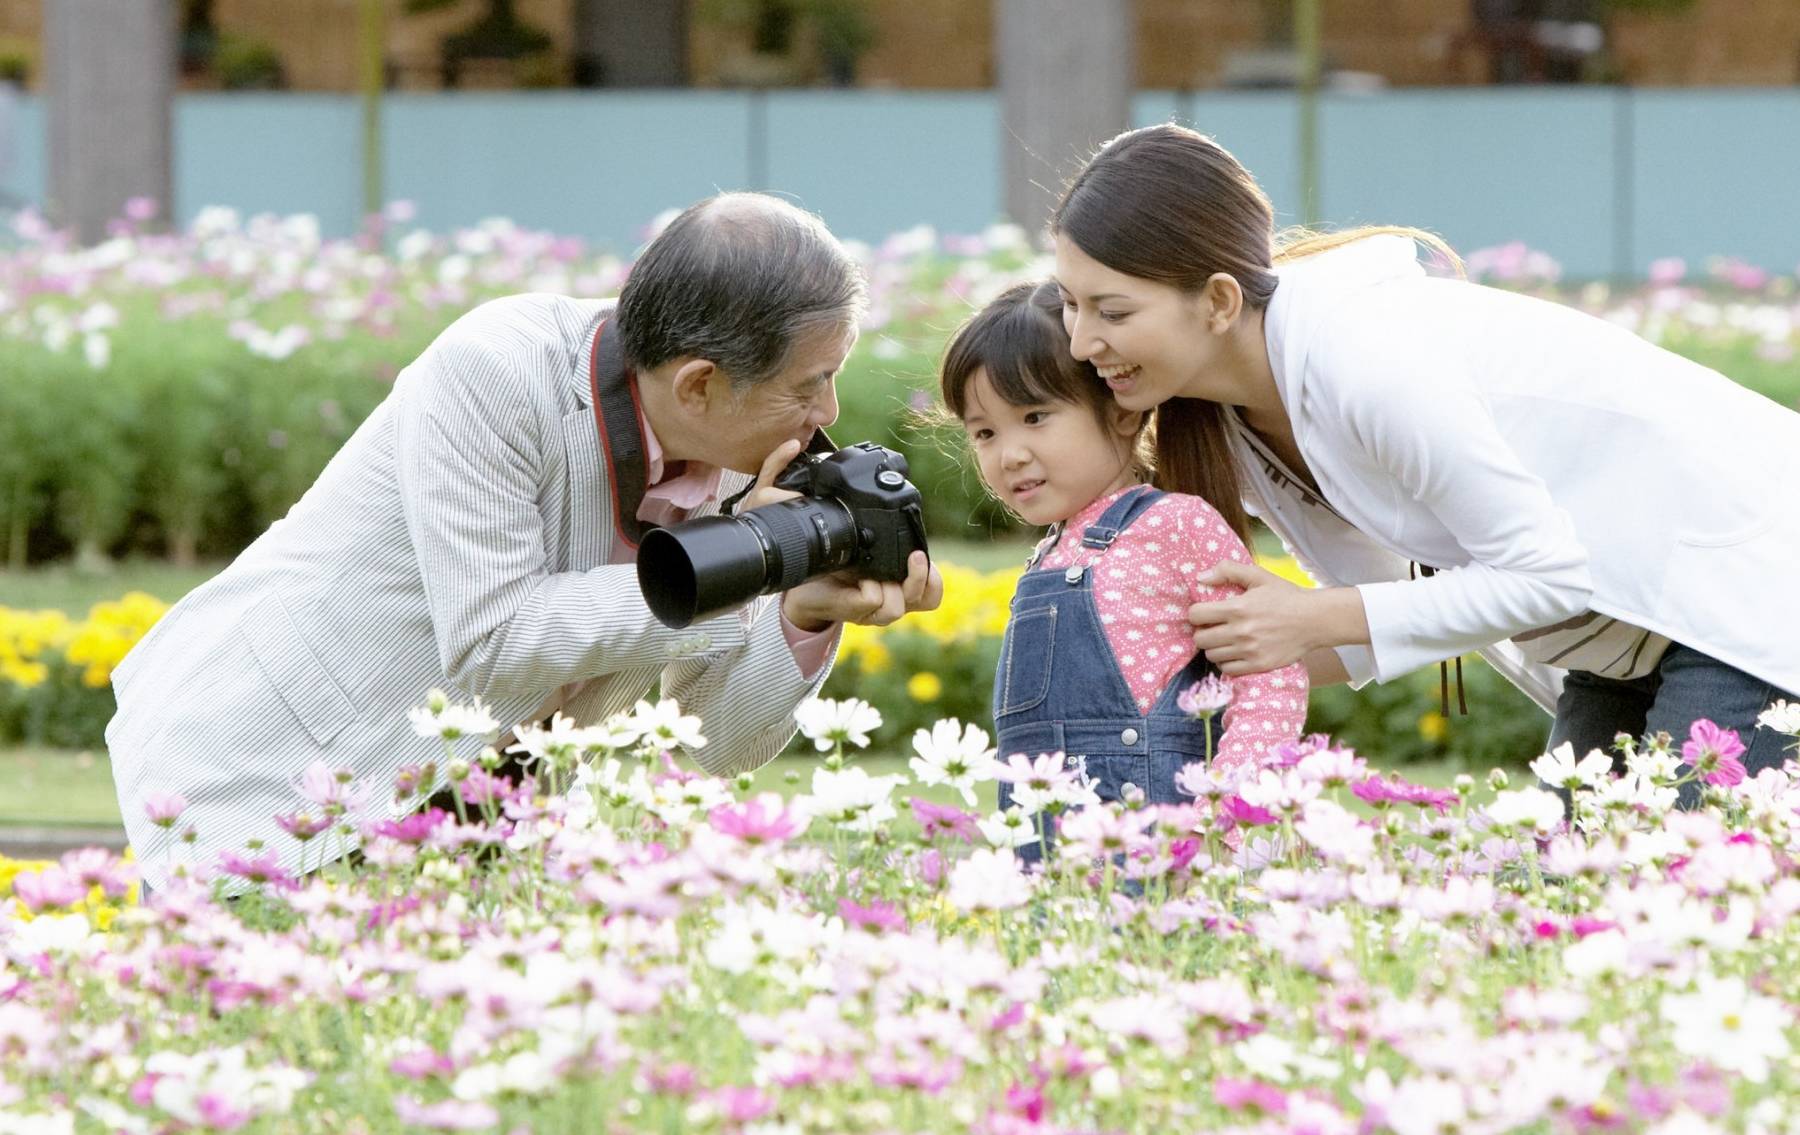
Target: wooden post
(1307, 34)
(1066, 70)
(110, 74)
(373, 72)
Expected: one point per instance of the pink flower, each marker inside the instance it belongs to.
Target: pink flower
(303, 826)
(98, 867)
(1206, 697)
(140, 209)
(162, 808)
(1667, 271)
(1713, 753)
(263, 870)
(421, 1064)
(741, 1104)
(943, 819)
(1249, 1095)
(764, 819)
(672, 1079)
(446, 1115)
(48, 889)
(483, 787)
(877, 916)
(1026, 1101)
(327, 787)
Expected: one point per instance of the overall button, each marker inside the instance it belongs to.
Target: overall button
(1129, 737)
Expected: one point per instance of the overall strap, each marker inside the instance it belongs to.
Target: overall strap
(1118, 517)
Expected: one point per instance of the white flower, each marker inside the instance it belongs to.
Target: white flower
(1559, 768)
(43, 1122)
(560, 743)
(828, 723)
(1335, 832)
(1532, 808)
(97, 349)
(988, 880)
(1009, 829)
(851, 798)
(665, 725)
(1596, 954)
(753, 936)
(1727, 1025)
(953, 754)
(1782, 717)
(1656, 764)
(438, 718)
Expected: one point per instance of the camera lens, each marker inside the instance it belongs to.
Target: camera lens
(702, 566)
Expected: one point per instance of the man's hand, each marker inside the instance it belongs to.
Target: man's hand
(1273, 622)
(764, 492)
(844, 598)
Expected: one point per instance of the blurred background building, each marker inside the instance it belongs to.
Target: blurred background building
(1601, 130)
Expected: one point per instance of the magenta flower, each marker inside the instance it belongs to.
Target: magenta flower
(943, 819)
(414, 829)
(1713, 753)
(765, 819)
(162, 808)
(1393, 790)
(1026, 1101)
(1246, 813)
(877, 916)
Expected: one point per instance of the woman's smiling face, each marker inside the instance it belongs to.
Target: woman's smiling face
(1149, 341)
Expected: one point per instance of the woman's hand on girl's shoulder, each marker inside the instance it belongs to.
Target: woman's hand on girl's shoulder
(1270, 623)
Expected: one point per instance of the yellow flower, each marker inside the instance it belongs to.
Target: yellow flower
(29, 640)
(1287, 567)
(1433, 726)
(924, 686)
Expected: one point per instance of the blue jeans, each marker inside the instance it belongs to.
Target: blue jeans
(1685, 686)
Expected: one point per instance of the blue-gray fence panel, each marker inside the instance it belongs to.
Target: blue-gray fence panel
(1716, 173)
(878, 162)
(598, 166)
(1603, 179)
(270, 153)
(1478, 167)
(24, 156)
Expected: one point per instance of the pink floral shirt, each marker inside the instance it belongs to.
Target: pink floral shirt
(1143, 586)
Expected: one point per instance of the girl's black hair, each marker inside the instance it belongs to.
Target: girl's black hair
(1019, 340)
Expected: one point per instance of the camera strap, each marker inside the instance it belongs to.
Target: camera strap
(618, 418)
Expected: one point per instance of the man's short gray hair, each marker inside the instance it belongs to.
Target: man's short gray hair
(740, 280)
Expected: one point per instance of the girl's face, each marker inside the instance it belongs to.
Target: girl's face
(1049, 461)
(1149, 341)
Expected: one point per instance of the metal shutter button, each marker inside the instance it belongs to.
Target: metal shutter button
(1129, 737)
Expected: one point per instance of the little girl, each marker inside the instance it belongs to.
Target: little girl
(1098, 648)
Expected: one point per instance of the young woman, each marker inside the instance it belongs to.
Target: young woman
(1465, 468)
(1097, 654)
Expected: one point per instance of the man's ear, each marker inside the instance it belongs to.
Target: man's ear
(696, 385)
(1222, 298)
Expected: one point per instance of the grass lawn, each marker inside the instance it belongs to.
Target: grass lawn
(57, 786)
(62, 587)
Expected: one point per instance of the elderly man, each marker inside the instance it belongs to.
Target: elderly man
(478, 533)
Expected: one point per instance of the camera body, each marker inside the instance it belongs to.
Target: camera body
(857, 512)
(870, 481)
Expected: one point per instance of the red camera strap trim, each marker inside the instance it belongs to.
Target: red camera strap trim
(618, 419)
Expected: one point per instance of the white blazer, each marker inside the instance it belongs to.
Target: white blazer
(461, 539)
(1556, 462)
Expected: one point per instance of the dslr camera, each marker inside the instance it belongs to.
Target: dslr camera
(856, 512)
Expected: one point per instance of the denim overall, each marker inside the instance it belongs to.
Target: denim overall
(1059, 689)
